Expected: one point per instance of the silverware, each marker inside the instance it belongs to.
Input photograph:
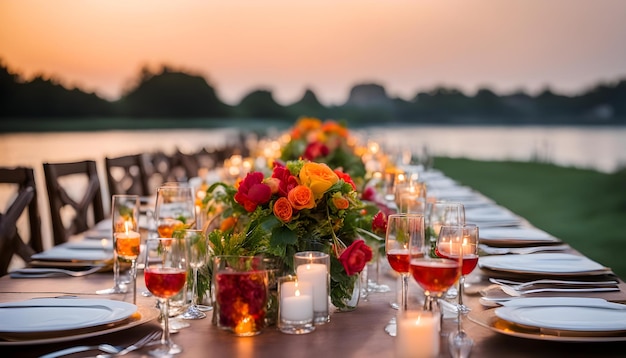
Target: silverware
(107, 348)
(137, 345)
(521, 250)
(517, 293)
(520, 285)
(51, 271)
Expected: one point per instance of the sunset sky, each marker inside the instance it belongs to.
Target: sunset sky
(286, 46)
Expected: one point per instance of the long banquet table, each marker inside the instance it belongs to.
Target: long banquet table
(358, 333)
(349, 334)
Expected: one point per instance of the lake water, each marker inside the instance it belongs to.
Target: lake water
(598, 148)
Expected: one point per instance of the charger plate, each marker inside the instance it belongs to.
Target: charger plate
(488, 319)
(140, 316)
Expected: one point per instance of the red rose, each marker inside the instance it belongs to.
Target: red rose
(286, 180)
(355, 257)
(369, 194)
(379, 224)
(315, 150)
(253, 192)
(345, 177)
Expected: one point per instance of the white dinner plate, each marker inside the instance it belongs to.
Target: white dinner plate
(514, 235)
(563, 313)
(61, 314)
(557, 263)
(62, 253)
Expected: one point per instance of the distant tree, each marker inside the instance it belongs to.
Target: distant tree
(261, 104)
(172, 94)
(308, 105)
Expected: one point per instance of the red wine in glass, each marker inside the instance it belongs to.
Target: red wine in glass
(164, 282)
(399, 260)
(469, 261)
(435, 275)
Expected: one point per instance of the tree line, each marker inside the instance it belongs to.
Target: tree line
(171, 94)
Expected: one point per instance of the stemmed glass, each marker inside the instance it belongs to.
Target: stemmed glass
(461, 243)
(124, 219)
(403, 230)
(443, 213)
(175, 210)
(466, 246)
(198, 251)
(436, 274)
(165, 274)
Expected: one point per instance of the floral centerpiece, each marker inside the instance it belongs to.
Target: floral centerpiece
(324, 142)
(301, 206)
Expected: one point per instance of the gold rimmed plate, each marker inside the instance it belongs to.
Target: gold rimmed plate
(488, 319)
(141, 316)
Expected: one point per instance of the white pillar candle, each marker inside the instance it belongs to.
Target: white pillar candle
(417, 334)
(296, 301)
(317, 276)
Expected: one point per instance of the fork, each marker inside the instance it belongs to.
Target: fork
(63, 352)
(51, 271)
(137, 345)
(520, 285)
(517, 293)
(521, 250)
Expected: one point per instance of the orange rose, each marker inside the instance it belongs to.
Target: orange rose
(317, 176)
(301, 197)
(283, 209)
(340, 202)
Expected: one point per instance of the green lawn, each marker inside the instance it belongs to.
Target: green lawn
(584, 208)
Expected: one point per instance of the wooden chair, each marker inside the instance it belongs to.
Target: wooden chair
(127, 175)
(161, 167)
(11, 241)
(86, 207)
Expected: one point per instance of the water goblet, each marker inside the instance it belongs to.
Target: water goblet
(124, 218)
(403, 232)
(198, 251)
(165, 274)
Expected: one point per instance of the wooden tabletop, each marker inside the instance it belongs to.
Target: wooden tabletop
(349, 334)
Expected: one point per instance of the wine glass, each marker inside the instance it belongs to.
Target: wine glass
(165, 274)
(435, 274)
(175, 210)
(403, 230)
(124, 219)
(198, 251)
(466, 246)
(460, 242)
(443, 213)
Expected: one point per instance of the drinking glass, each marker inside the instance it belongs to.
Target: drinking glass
(435, 274)
(466, 246)
(461, 243)
(175, 210)
(198, 251)
(165, 274)
(124, 219)
(405, 232)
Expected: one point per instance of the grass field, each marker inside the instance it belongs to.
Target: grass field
(585, 208)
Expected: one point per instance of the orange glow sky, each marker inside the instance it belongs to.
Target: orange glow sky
(328, 46)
